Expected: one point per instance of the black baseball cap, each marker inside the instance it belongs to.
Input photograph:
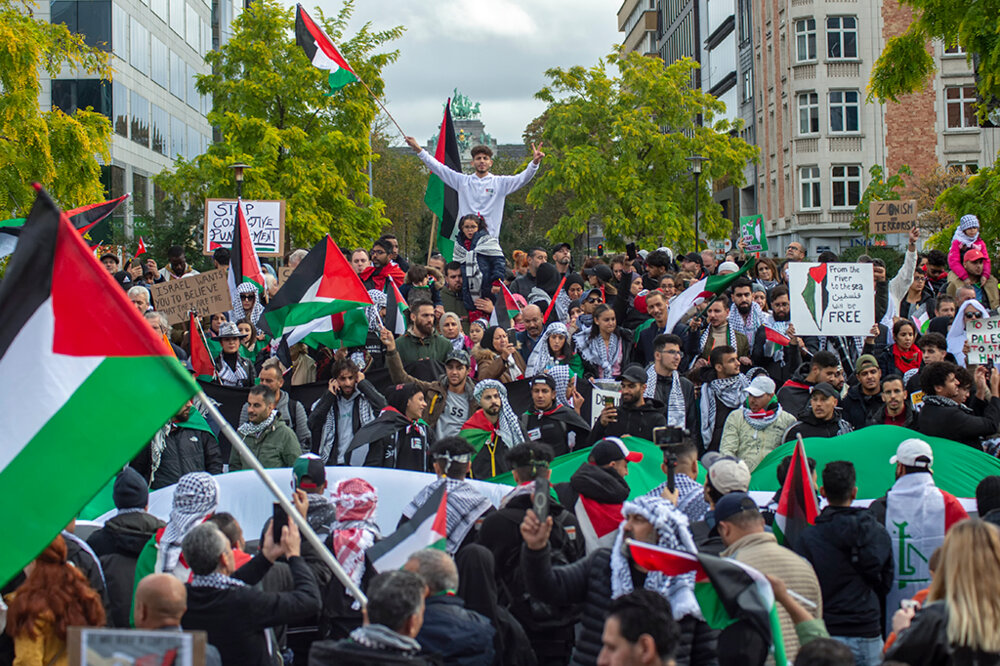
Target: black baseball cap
(634, 373)
(543, 379)
(612, 449)
(826, 389)
(732, 504)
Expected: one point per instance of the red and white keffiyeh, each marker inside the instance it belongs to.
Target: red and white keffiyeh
(355, 531)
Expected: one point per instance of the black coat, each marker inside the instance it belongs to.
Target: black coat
(236, 619)
(852, 555)
(877, 417)
(118, 545)
(349, 653)
(779, 372)
(636, 421)
(601, 484)
(79, 555)
(692, 418)
(857, 406)
(187, 450)
(794, 393)
(925, 643)
(809, 426)
(460, 636)
(553, 427)
(248, 367)
(328, 401)
(588, 582)
(392, 444)
(959, 425)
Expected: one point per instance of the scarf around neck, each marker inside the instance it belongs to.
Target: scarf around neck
(676, 409)
(749, 329)
(761, 420)
(605, 356)
(329, 444)
(254, 429)
(217, 581)
(381, 637)
(508, 424)
(907, 360)
(465, 506)
(729, 391)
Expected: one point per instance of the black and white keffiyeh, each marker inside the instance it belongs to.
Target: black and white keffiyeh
(234, 375)
(258, 307)
(560, 374)
(465, 506)
(365, 414)
(748, 328)
(541, 358)
(254, 429)
(690, 497)
(217, 581)
(731, 392)
(508, 426)
(195, 498)
(372, 312)
(672, 532)
(381, 637)
(605, 356)
(676, 409)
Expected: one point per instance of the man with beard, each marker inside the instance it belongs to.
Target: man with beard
(794, 393)
(780, 362)
(895, 409)
(398, 438)
(525, 283)
(756, 429)
(635, 415)
(822, 418)
(795, 252)
(657, 306)
(492, 430)
(865, 396)
(534, 326)
(551, 423)
(720, 395)
(185, 444)
(272, 376)
(945, 308)
(936, 267)
(665, 384)
(420, 340)
(265, 433)
(350, 402)
(609, 573)
(984, 286)
(745, 316)
(705, 338)
(382, 266)
(562, 255)
(451, 293)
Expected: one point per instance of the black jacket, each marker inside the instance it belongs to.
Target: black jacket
(588, 582)
(637, 421)
(794, 393)
(118, 545)
(809, 426)
(392, 443)
(460, 636)
(247, 365)
(236, 619)
(349, 653)
(78, 553)
(877, 417)
(552, 427)
(327, 401)
(601, 484)
(959, 425)
(692, 418)
(187, 450)
(857, 406)
(925, 642)
(852, 556)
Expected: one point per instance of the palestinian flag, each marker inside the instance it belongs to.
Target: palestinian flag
(82, 218)
(505, 308)
(321, 52)
(201, 358)
(70, 341)
(441, 199)
(244, 265)
(395, 308)
(727, 590)
(921, 319)
(342, 329)
(705, 288)
(816, 294)
(797, 506)
(428, 528)
(323, 284)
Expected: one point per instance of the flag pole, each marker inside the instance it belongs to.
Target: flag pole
(430, 242)
(379, 102)
(286, 504)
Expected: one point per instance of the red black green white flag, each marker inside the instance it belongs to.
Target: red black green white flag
(504, 309)
(798, 506)
(705, 288)
(201, 357)
(775, 336)
(428, 528)
(69, 342)
(395, 308)
(321, 52)
(244, 265)
(441, 199)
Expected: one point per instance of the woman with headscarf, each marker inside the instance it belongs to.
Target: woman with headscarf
(54, 596)
(497, 358)
(555, 347)
(957, 339)
(606, 347)
(233, 368)
(247, 303)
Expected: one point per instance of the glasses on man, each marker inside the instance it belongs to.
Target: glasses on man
(248, 297)
(973, 315)
(593, 300)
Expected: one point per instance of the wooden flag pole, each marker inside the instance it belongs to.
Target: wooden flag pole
(379, 102)
(430, 242)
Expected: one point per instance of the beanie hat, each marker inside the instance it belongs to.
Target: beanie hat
(130, 490)
(968, 222)
(399, 395)
(988, 495)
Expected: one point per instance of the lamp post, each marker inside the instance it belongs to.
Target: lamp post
(696, 162)
(238, 169)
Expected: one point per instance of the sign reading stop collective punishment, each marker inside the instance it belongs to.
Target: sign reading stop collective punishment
(831, 299)
(892, 217)
(984, 340)
(265, 219)
(206, 293)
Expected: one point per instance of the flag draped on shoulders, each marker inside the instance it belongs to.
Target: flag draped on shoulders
(321, 52)
(428, 528)
(71, 345)
(703, 289)
(441, 199)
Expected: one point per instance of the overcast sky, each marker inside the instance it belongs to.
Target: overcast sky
(494, 51)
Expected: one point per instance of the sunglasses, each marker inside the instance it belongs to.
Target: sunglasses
(973, 315)
(247, 297)
(593, 300)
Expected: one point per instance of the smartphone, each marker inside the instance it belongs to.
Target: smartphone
(540, 498)
(609, 401)
(279, 520)
(909, 603)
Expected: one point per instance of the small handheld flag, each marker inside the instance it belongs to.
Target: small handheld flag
(797, 507)
(141, 249)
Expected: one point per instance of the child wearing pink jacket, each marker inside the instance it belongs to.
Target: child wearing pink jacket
(967, 236)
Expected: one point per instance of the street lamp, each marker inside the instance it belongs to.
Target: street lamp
(696, 162)
(238, 175)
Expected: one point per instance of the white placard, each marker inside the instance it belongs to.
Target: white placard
(832, 298)
(265, 220)
(598, 398)
(984, 340)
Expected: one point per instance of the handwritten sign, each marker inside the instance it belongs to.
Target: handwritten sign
(283, 274)
(207, 293)
(984, 340)
(604, 392)
(265, 219)
(831, 299)
(752, 231)
(892, 217)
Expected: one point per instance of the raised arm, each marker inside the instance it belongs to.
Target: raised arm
(452, 179)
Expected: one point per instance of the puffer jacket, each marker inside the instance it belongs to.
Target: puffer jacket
(750, 445)
(925, 643)
(588, 582)
(118, 545)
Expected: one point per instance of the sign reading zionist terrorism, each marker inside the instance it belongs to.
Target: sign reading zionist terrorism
(831, 299)
(984, 340)
(265, 220)
(892, 217)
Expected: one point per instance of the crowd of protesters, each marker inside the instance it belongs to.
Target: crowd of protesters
(510, 588)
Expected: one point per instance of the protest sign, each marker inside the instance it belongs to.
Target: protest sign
(831, 299)
(283, 274)
(984, 340)
(752, 231)
(605, 393)
(135, 646)
(265, 219)
(892, 217)
(206, 293)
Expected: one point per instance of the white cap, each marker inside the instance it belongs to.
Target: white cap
(761, 385)
(913, 453)
(728, 266)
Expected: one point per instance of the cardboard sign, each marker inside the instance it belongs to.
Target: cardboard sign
(984, 340)
(892, 217)
(283, 274)
(207, 293)
(135, 646)
(752, 231)
(831, 299)
(265, 219)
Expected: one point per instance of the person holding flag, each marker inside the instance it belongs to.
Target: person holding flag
(778, 349)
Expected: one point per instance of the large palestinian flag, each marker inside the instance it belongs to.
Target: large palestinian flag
(321, 285)
(705, 288)
(428, 528)
(244, 264)
(342, 329)
(83, 219)
(73, 351)
(321, 52)
(441, 199)
(798, 506)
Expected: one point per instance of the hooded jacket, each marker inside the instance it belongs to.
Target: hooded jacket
(553, 426)
(637, 421)
(852, 556)
(599, 511)
(794, 393)
(857, 406)
(392, 442)
(810, 426)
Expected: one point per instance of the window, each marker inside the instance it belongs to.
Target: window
(193, 143)
(90, 19)
(841, 37)
(140, 193)
(119, 31)
(810, 186)
(805, 40)
(69, 95)
(177, 133)
(846, 186)
(955, 49)
(177, 74)
(159, 8)
(119, 108)
(968, 168)
(160, 127)
(193, 33)
(961, 103)
(192, 92)
(748, 85)
(844, 111)
(140, 118)
(139, 46)
(160, 65)
(177, 16)
(808, 113)
(745, 24)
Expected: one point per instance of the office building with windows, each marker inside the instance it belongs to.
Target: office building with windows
(158, 49)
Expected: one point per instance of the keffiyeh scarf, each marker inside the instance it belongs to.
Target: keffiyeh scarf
(604, 356)
(749, 329)
(672, 532)
(217, 581)
(508, 425)
(231, 375)
(355, 530)
(541, 358)
(967, 222)
(381, 637)
(321, 514)
(238, 311)
(761, 420)
(465, 506)
(690, 496)
(195, 497)
(365, 416)
(254, 429)
(730, 338)
(729, 391)
(372, 311)
(676, 409)
(942, 401)
(561, 373)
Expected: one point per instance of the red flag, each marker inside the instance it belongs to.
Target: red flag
(141, 249)
(201, 358)
(777, 338)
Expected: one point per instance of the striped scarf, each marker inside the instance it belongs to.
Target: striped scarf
(365, 416)
(749, 329)
(729, 391)
(508, 425)
(231, 375)
(676, 409)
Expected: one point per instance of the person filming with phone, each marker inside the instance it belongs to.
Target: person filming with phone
(636, 415)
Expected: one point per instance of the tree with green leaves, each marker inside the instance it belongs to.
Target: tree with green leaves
(879, 189)
(617, 144)
(50, 148)
(980, 196)
(272, 109)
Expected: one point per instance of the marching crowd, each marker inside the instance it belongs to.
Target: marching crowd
(910, 579)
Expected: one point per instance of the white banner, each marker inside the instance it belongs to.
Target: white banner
(831, 299)
(984, 340)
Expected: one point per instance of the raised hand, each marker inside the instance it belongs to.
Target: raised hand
(413, 143)
(537, 153)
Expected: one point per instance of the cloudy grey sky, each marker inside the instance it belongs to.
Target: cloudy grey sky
(493, 51)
